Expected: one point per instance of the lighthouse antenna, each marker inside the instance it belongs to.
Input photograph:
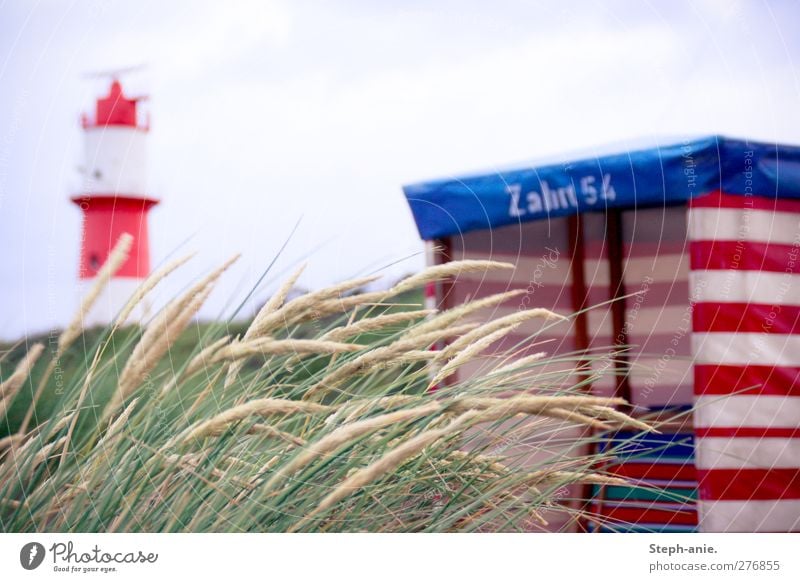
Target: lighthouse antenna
(115, 73)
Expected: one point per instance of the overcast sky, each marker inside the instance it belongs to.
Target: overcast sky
(265, 113)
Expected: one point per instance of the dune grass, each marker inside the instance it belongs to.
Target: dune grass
(333, 411)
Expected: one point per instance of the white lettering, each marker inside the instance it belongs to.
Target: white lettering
(515, 191)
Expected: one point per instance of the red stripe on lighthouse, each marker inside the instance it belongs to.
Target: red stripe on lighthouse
(105, 219)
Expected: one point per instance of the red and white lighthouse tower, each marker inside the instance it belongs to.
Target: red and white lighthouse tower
(114, 198)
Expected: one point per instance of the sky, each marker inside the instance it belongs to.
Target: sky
(270, 114)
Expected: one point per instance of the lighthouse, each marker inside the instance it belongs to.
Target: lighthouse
(114, 198)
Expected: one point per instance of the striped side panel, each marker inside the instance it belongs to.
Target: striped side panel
(657, 327)
(599, 318)
(663, 491)
(658, 319)
(745, 284)
(541, 252)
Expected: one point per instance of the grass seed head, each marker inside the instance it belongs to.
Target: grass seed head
(446, 270)
(116, 258)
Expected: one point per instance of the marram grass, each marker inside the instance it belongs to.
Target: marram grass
(330, 412)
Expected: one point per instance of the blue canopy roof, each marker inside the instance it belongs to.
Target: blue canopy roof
(654, 176)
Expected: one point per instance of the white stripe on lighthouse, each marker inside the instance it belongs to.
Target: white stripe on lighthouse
(112, 300)
(116, 161)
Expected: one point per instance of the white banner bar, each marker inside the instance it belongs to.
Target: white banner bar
(371, 557)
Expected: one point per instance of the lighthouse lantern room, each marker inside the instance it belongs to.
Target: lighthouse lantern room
(114, 198)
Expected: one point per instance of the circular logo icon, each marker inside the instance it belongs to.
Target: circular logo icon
(31, 555)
